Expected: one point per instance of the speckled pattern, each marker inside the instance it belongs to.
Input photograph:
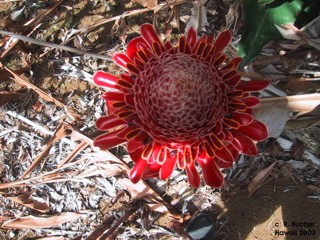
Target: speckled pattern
(179, 98)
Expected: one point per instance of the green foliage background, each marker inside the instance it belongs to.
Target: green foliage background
(261, 16)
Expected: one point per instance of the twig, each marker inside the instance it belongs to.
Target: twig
(57, 46)
(82, 145)
(224, 223)
(101, 229)
(123, 219)
(59, 133)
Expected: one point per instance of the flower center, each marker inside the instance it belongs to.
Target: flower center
(179, 98)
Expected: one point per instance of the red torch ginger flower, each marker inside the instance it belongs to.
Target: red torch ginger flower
(183, 106)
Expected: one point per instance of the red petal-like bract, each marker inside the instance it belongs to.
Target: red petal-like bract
(181, 106)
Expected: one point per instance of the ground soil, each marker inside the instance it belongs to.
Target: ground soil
(269, 209)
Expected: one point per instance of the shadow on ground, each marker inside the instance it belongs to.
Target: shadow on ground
(274, 209)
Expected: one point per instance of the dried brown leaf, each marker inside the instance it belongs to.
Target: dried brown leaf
(274, 112)
(309, 34)
(37, 107)
(77, 135)
(300, 104)
(158, 207)
(5, 75)
(299, 85)
(32, 222)
(6, 23)
(275, 117)
(297, 149)
(312, 29)
(314, 113)
(275, 64)
(32, 23)
(107, 224)
(310, 119)
(314, 188)
(138, 190)
(58, 134)
(303, 123)
(142, 190)
(289, 31)
(45, 178)
(30, 202)
(3, 218)
(120, 28)
(233, 17)
(307, 156)
(7, 97)
(312, 33)
(111, 233)
(198, 20)
(43, 94)
(274, 149)
(259, 178)
(105, 170)
(180, 25)
(82, 145)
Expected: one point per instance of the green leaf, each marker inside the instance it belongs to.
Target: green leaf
(260, 22)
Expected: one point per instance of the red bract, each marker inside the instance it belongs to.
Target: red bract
(181, 105)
